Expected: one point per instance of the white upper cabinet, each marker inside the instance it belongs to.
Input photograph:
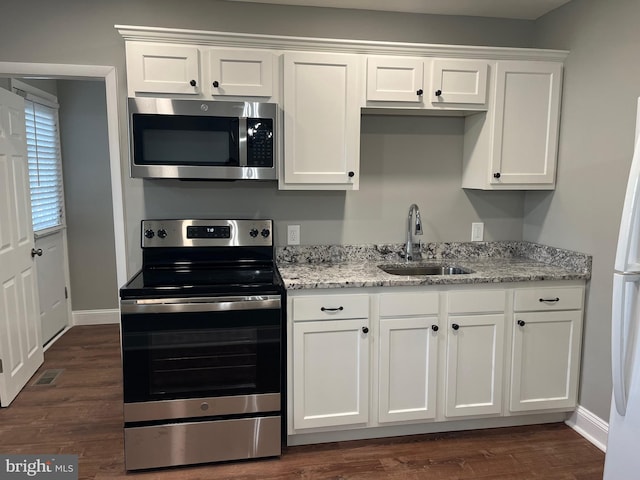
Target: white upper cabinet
(395, 79)
(459, 81)
(241, 72)
(514, 147)
(166, 69)
(426, 83)
(321, 121)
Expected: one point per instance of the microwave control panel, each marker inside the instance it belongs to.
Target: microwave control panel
(259, 142)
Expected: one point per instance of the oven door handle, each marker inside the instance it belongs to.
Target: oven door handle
(208, 304)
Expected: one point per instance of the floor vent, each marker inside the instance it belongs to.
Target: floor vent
(48, 377)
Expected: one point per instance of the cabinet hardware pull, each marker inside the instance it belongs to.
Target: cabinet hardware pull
(35, 252)
(365, 330)
(351, 174)
(455, 326)
(337, 309)
(419, 92)
(435, 328)
(521, 323)
(193, 83)
(216, 84)
(438, 93)
(496, 175)
(549, 300)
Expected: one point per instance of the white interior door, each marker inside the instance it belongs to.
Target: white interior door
(54, 311)
(20, 333)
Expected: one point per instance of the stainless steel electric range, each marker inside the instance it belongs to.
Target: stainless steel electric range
(202, 327)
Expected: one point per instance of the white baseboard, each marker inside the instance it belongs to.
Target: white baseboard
(96, 317)
(590, 426)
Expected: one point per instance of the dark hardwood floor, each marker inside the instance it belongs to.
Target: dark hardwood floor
(82, 414)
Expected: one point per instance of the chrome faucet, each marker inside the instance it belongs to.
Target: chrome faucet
(409, 253)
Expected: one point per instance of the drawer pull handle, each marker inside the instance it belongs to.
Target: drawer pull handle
(455, 326)
(521, 323)
(549, 300)
(326, 309)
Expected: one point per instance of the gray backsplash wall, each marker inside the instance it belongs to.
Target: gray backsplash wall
(403, 160)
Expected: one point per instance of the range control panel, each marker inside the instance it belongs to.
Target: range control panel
(206, 233)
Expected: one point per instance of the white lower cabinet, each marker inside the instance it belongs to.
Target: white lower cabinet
(393, 358)
(474, 353)
(408, 357)
(545, 360)
(330, 364)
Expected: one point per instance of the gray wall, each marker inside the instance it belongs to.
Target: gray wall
(601, 87)
(87, 182)
(595, 139)
(78, 32)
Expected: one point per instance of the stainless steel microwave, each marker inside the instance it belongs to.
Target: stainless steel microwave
(194, 139)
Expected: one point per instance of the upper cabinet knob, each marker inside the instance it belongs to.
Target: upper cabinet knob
(455, 326)
(216, 84)
(419, 92)
(438, 93)
(496, 175)
(193, 83)
(522, 323)
(351, 174)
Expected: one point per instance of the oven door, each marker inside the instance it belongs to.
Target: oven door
(226, 350)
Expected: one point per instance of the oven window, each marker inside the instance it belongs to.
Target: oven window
(180, 356)
(185, 140)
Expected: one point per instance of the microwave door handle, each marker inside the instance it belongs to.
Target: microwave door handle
(242, 141)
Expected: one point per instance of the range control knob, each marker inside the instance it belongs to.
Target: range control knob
(149, 233)
(254, 232)
(162, 233)
(265, 232)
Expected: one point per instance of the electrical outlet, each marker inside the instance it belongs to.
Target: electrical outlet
(293, 234)
(477, 232)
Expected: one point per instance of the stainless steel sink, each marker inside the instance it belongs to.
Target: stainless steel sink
(424, 269)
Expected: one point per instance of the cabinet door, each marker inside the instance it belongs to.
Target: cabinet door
(475, 354)
(395, 79)
(322, 120)
(408, 369)
(459, 81)
(241, 72)
(546, 357)
(330, 373)
(527, 109)
(163, 69)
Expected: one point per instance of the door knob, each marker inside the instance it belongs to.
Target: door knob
(35, 252)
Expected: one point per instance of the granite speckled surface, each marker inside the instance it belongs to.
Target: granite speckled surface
(344, 266)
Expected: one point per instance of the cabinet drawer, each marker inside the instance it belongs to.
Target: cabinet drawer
(400, 304)
(330, 307)
(477, 301)
(550, 298)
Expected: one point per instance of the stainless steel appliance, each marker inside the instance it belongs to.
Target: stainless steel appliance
(202, 343)
(194, 139)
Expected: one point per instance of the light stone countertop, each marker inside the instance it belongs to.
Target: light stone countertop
(334, 266)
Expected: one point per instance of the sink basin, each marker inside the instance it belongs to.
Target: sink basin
(424, 270)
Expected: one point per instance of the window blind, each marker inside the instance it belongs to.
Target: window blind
(45, 166)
